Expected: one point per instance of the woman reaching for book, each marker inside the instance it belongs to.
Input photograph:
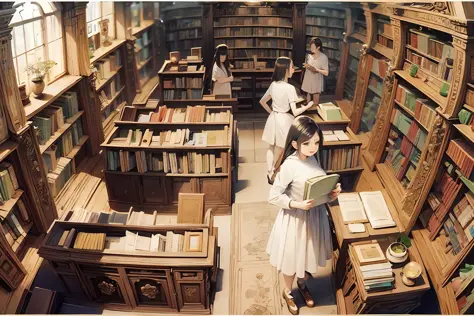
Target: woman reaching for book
(317, 67)
(221, 75)
(284, 97)
(300, 240)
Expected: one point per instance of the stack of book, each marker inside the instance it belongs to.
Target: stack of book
(176, 163)
(48, 122)
(90, 241)
(340, 158)
(80, 215)
(58, 177)
(375, 269)
(8, 182)
(190, 114)
(462, 154)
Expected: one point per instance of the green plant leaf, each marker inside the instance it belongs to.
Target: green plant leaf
(404, 239)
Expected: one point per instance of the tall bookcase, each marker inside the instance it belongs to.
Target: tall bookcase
(183, 24)
(417, 151)
(329, 24)
(153, 175)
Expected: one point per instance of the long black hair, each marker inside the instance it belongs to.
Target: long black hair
(282, 65)
(302, 130)
(222, 49)
(317, 42)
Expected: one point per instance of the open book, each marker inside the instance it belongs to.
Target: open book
(365, 206)
(318, 188)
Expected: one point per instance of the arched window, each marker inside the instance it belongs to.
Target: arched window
(96, 12)
(37, 36)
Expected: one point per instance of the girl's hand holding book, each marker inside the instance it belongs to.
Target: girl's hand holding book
(303, 205)
(334, 193)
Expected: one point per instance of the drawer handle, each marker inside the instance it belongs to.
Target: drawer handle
(189, 274)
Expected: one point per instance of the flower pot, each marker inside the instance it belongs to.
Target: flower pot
(398, 250)
(37, 87)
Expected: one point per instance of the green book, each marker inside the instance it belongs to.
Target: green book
(318, 188)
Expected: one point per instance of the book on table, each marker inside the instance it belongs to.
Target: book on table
(318, 188)
(329, 112)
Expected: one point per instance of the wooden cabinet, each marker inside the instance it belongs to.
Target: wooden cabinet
(181, 185)
(154, 190)
(124, 187)
(191, 289)
(214, 190)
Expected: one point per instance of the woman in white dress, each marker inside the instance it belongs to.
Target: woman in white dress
(300, 240)
(317, 67)
(221, 75)
(284, 97)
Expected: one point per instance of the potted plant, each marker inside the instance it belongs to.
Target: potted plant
(37, 72)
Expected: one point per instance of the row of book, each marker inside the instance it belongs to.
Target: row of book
(169, 138)
(462, 154)
(379, 66)
(334, 13)
(247, 10)
(340, 158)
(274, 53)
(145, 73)
(143, 40)
(384, 41)
(360, 29)
(184, 66)
(112, 106)
(277, 21)
(384, 27)
(59, 176)
(183, 82)
(8, 182)
(143, 55)
(324, 21)
(176, 163)
(333, 54)
(106, 67)
(188, 94)
(190, 34)
(253, 31)
(256, 42)
(324, 31)
(371, 107)
(14, 224)
(409, 128)
(184, 24)
(190, 114)
(398, 162)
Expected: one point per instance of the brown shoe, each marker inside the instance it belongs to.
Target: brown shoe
(290, 301)
(306, 295)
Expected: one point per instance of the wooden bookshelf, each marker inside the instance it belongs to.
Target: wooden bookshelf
(179, 270)
(120, 176)
(67, 125)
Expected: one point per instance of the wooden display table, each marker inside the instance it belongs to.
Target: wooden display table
(137, 280)
(353, 298)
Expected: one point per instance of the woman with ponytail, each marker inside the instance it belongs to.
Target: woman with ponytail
(300, 240)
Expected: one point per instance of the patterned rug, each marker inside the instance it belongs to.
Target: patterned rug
(256, 286)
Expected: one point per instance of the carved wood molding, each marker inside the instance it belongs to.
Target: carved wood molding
(456, 91)
(131, 68)
(414, 198)
(360, 90)
(438, 7)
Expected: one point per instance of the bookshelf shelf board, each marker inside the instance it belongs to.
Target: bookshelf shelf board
(50, 94)
(169, 148)
(358, 36)
(252, 36)
(394, 187)
(407, 110)
(144, 63)
(6, 208)
(327, 26)
(466, 131)
(348, 170)
(20, 242)
(151, 124)
(254, 15)
(140, 29)
(352, 56)
(68, 124)
(180, 7)
(361, 23)
(104, 51)
(176, 18)
(377, 92)
(6, 149)
(468, 107)
(423, 87)
(254, 25)
(111, 117)
(266, 48)
(143, 46)
(102, 83)
(190, 38)
(324, 16)
(113, 99)
(184, 29)
(386, 36)
(183, 73)
(182, 88)
(376, 75)
(423, 54)
(387, 52)
(163, 174)
(146, 91)
(324, 36)
(471, 85)
(72, 154)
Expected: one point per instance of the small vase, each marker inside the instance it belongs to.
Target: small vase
(37, 87)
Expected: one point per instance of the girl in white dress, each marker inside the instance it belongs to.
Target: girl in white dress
(284, 97)
(221, 75)
(300, 240)
(317, 67)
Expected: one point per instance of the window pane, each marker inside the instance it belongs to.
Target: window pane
(92, 11)
(37, 25)
(23, 76)
(53, 27)
(29, 36)
(55, 51)
(19, 39)
(107, 7)
(16, 71)
(12, 43)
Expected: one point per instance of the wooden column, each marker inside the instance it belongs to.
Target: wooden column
(44, 209)
(299, 33)
(12, 112)
(379, 134)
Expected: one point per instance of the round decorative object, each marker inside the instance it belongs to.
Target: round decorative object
(410, 272)
(149, 291)
(37, 87)
(398, 250)
(393, 259)
(106, 288)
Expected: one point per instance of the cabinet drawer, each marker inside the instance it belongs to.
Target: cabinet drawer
(192, 294)
(123, 188)
(106, 289)
(149, 291)
(189, 275)
(215, 190)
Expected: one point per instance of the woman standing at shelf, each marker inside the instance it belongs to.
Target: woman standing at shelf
(221, 75)
(300, 240)
(284, 98)
(317, 66)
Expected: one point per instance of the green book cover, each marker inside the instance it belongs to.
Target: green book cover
(318, 188)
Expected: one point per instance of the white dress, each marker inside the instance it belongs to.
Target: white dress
(300, 240)
(313, 82)
(220, 88)
(279, 122)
